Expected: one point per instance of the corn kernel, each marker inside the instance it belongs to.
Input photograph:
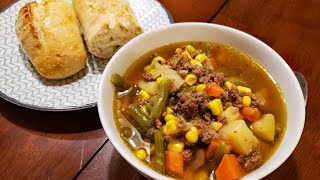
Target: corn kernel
(147, 68)
(159, 58)
(144, 95)
(200, 87)
(246, 100)
(175, 146)
(144, 109)
(169, 110)
(186, 53)
(165, 130)
(191, 79)
(216, 125)
(244, 89)
(195, 62)
(178, 50)
(159, 80)
(172, 127)
(192, 135)
(141, 154)
(169, 117)
(201, 57)
(228, 85)
(215, 106)
(190, 49)
(152, 71)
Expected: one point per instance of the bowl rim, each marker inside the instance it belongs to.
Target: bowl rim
(146, 171)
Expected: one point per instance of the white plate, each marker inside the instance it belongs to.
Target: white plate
(21, 84)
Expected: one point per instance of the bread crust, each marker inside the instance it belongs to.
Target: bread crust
(106, 24)
(51, 38)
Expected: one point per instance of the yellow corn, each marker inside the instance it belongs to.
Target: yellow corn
(228, 85)
(195, 62)
(152, 71)
(169, 117)
(144, 95)
(186, 53)
(244, 89)
(215, 106)
(178, 50)
(192, 135)
(246, 100)
(141, 154)
(164, 130)
(176, 146)
(144, 109)
(169, 110)
(200, 87)
(190, 49)
(157, 59)
(216, 125)
(191, 79)
(201, 57)
(171, 127)
(159, 79)
(147, 68)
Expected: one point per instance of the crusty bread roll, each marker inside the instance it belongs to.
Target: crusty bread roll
(106, 25)
(50, 35)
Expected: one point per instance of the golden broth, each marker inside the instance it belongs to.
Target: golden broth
(238, 68)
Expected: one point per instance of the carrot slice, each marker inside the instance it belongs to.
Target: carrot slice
(174, 163)
(229, 168)
(251, 114)
(214, 90)
(211, 149)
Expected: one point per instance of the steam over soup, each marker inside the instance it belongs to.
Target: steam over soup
(188, 109)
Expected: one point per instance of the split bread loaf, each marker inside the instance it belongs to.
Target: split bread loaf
(106, 24)
(51, 38)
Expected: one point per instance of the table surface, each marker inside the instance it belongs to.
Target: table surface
(73, 145)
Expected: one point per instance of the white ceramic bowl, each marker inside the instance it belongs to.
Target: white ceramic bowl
(262, 53)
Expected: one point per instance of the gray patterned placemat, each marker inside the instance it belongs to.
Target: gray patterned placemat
(21, 84)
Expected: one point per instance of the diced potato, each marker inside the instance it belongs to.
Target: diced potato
(166, 72)
(150, 87)
(265, 127)
(241, 137)
(231, 114)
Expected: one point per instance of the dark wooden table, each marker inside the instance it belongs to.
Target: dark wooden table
(66, 145)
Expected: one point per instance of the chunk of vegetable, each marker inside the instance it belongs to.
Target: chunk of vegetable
(175, 146)
(251, 114)
(244, 89)
(215, 106)
(191, 79)
(190, 49)
(265, 127)
(231, 114)
(159, 105)
(240, 136)
(140, 117)
(170, 128)
(150, 87)
(229, 168)
(214, 90)
(221, 150)
(246, 101)
(166, 72)
(192, 135)
(144, 95)
(159, 152)
(141, 154)
(174, 163)
(119, 82)
(211, 149)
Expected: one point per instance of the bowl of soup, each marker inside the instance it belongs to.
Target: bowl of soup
(200, 101)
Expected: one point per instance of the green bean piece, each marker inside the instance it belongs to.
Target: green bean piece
(119, 82)
(149, 107)
(159, 152)
(159, 106)
(221, 150)
(140, 117)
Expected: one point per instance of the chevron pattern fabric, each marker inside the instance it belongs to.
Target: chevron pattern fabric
(21, 83)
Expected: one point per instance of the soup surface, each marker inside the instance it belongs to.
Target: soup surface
(191, 108)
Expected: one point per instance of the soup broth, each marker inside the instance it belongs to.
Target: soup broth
(238, 69)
